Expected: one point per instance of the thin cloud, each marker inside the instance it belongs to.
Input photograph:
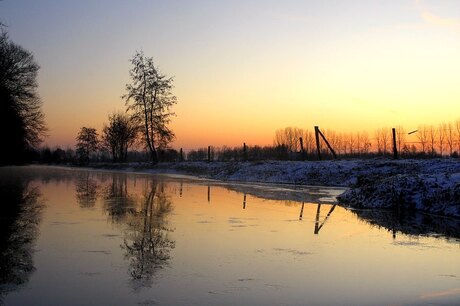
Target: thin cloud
(436, 20)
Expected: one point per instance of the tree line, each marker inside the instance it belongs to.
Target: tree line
(293, 143)
(145, 123)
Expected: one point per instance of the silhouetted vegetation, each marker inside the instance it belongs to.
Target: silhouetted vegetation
(119, 135)
(149, 97)
(87, 143)
(21, 118)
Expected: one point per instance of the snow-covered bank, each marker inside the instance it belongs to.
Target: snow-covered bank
(427, 185)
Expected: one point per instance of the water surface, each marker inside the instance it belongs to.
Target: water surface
(75, 237)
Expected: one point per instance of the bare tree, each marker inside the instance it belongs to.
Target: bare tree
(365, 143)
(309, 141)
(378, 140)
(385, 139)
(423, 136)
(87, 143)
(432, 139)
(119, 135)
(351, 143)
(289, 137)
(441, 137)
(457, 128)
(150, 98)
(21, 116)
(400, 137)
(450, 138)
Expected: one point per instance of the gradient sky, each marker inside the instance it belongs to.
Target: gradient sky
(243, 69)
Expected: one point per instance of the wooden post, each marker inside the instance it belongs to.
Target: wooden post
(209, 194)
(395, 150)
(318, 147)
(181, 155)
(328, 145)
(209, 154)
(301, 144)
(245, 152)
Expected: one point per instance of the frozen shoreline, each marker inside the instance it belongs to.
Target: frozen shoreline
(431, 186)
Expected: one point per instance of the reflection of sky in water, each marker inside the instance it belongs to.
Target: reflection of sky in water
(150, 240)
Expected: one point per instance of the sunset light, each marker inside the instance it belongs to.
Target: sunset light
(244, 69)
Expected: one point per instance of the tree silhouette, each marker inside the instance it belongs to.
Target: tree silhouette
(87, 143)
(119, 135)
(149, 97)
(21, 119)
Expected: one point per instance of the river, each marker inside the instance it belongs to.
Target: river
(80, 237)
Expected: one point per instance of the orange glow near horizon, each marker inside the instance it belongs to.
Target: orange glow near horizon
(347, 67)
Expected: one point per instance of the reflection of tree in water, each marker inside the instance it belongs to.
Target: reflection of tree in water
(147, 243)
(411, 223)
(86, 190)
(20, 213)
(118, 201)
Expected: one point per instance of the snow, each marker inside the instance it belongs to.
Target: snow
(431, 185)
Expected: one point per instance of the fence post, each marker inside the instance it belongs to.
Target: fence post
(395, 150)
(181, 155)
(209, 154)
(302, 152)
(245, 152)
(318, 148)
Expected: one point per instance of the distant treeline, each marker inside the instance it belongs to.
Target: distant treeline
(290, 143)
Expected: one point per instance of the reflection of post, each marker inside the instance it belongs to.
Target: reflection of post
(244, 201)
(301, 211)
(209, 193)
(318, 210)
(317, 225)
(180, 189)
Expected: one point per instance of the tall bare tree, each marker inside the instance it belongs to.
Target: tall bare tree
(450, 138)
(21, 118)
(432, 139)
(149, 97)
(457, 129)
(400, 137)
(423, 136)
(289, 137)
(441, 137)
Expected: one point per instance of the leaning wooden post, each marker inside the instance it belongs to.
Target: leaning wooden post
(318, 147)
(302, 153)
(209, 154)
(395, 150)
(327, 143)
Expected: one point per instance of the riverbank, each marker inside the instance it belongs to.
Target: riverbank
(431, 186)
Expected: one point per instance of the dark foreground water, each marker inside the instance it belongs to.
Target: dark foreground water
(70, 237)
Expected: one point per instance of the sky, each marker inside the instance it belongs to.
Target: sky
(243, 69)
